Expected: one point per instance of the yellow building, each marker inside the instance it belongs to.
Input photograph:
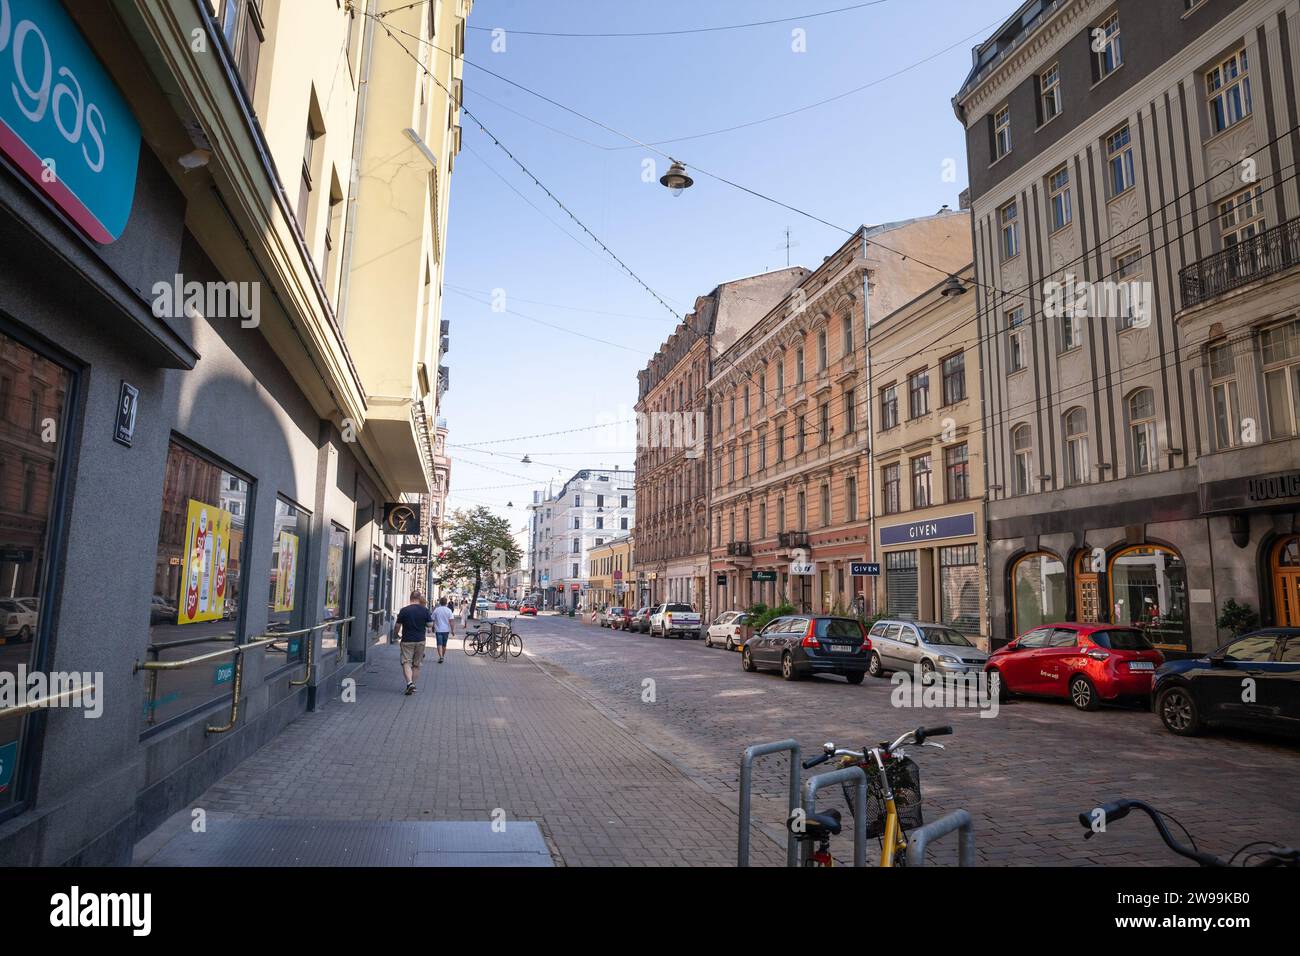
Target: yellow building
(611, 576)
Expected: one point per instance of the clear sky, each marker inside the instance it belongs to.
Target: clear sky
(873, 156)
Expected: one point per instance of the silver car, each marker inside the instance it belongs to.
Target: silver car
(898, 645)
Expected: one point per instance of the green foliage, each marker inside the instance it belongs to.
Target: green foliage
(479, 544)
(1237, 618)
(770, 614)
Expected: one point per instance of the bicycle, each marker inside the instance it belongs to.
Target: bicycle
(1274, 854)
(893, 798)
(497, 640)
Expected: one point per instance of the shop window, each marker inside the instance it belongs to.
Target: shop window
(902, 595)
(1037, 591)
(1148, 590)
(285, 606)
(959, 587)
(336, 583)
(1286, 582)
(29, 473)
(198, 583)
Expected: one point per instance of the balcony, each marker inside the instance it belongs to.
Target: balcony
(738, 549)
(1269, 253)
(792, 539)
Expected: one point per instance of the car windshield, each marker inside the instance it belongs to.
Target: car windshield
(945, 635)
(1121, 639)
(685, 608)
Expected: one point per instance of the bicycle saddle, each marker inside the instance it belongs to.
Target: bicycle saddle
(814, 823)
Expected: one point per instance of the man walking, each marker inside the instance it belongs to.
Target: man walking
(444, 624)
(412, 621)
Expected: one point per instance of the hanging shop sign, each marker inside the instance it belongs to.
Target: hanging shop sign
(401, 518)
(63, 121)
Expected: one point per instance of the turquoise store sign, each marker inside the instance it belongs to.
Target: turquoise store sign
(63, 121)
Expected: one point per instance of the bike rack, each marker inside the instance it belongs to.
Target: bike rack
(959, 820)
(854, 775)
(746, 785)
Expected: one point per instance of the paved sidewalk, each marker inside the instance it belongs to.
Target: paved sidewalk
(483, 737)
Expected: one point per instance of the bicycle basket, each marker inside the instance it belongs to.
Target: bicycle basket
(905, 778)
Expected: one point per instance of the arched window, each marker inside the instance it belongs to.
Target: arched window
(1037, 591)
(1076, 446)
(1148, 589)
(1141, 408)
(1021, 471)
(846, 332)
(823, 354)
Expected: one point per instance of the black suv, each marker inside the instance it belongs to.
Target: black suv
(806, 644)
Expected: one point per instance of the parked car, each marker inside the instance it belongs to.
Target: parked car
(1191, 694)
(732, 629)
(527, 608)
(625, 622)
(641, 620)
(502, 605)
(613, 617)
(806, 644)
(1087, 663)
(898, 645)
(671, 620)
(17, 621)
(161, 610)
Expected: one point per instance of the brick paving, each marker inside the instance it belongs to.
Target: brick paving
(481, 736)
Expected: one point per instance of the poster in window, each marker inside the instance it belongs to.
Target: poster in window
(334, 576)
(207, 546)
(286, 571)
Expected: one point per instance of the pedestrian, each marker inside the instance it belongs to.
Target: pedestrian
(412, 621)
(444, 624)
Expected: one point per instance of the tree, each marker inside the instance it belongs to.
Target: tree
(479, 544)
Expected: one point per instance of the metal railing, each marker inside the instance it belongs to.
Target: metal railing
(746, 802)
(959, 821)
(1272, 251)
(238, 651)
(858, 777)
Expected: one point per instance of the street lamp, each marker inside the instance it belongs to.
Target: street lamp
(525, 460)
(676, 178)
(952, 288)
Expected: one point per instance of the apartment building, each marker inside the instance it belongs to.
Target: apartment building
(197, 435)
(592, 507)
(1141, 430)
(673, 439)
(929, 461)
(791, 404)
(612, 580)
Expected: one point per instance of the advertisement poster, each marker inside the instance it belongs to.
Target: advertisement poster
(207, 547)
(286, 571)
(334, 576)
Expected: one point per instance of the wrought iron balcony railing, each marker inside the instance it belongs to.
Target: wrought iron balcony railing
(738, 549)
(1270, 252)
(792, 539)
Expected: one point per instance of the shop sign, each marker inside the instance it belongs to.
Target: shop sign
(721, 580)
(224, 673)
(803, 568)
(401, 518)
(762, 576)
(1278, 486)
(16, 555)
(954, 526)
(63, 121)
(864, 569)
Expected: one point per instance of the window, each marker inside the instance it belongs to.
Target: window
(1038, 591)
(1058, 192)
(1076, 447)
(1241, 217)
(889, 484)
(1106, 47)
(850, 411)
(1148, 590)
(846, 334)
(1017, 356)
(780, 514)
(746, 401)
(780, 377)
(577, 501)
(851, 497)
(1142, 430)
(956, 467)
(1071, 330)
(921, 491)
(762, 451)
(780, 443)
(286, 610)
(824, 424)
(889, 406)
(1119, 161)
(241, 25)
(576, 543)
(802, 501)
(306, 185)
(1001, 132)
(600, 523)
(622, 502)
(1022, 468)
(577, 523)
(1223, 395)
(801, 436)
(918, 394)
(823, 355)
(1049, 94)
(198, 585)
(1007, 219)
(954, 378)
(826, 505)
(1280, 352)
(1227, 90)
(762, 519)
(1127, 264)
(798, 366)
(959, 589)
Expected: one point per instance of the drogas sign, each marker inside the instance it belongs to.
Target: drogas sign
(62, 119)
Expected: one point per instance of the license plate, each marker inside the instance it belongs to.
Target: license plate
(1141, 666)
(841, 649)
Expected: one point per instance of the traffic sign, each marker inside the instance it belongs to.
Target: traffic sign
(864, 569)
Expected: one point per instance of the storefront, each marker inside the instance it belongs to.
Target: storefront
(932, 569)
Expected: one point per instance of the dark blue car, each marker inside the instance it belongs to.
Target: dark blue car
(1251, 682)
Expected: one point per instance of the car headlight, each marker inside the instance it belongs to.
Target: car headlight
(947, 659)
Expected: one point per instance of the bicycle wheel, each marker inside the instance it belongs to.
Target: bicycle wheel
(470, 643)
(516, 645)
(496, 647)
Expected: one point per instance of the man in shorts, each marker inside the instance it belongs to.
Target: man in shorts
(444, 624)
(412, 621)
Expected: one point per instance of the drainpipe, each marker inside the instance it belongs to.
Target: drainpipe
(358, 134)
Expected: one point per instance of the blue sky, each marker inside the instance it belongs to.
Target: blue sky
(874, 156)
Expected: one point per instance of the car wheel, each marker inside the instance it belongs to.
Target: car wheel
(787, 667)
(747, 662)
(731, 644)
(874, 667)
(998, 687)
(855, 677)
(1177, 709)
(927, 671)
(24, 634)
(1082, 693)
(708, 640)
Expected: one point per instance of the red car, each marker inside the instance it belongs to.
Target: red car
(503, 605)
(528, 609)
(1088, 663)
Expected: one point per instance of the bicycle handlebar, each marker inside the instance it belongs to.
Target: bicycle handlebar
(815, 761)
(1118, 809)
